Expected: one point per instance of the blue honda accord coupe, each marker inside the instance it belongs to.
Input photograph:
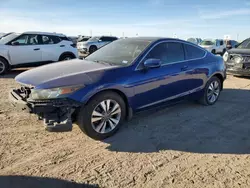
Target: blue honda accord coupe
(118, 80)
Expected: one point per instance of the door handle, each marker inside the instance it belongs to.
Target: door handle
(184, 68)
(37, 49)
(62, 45)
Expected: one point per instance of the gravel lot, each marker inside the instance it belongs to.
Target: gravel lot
(187, 145)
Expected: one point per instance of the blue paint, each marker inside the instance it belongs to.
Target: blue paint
(143, 88)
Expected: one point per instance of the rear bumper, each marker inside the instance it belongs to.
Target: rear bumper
(55, 113)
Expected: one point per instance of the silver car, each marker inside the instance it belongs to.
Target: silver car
(94, 43)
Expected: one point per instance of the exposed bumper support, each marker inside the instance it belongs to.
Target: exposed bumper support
(56, 113)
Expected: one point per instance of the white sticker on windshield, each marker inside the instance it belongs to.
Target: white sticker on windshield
(124, 61)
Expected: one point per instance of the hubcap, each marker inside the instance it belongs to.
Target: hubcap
(67, 58)
(213, 91)
(106, 116)
(2, 67)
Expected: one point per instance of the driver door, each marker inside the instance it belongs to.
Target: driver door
(26, 50)
(161, 84)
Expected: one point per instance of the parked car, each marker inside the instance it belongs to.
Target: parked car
(230, 44)
(238, 59)
(120, 79)
(217, 46)
(194, 40)
(34, 48)
(94, 43)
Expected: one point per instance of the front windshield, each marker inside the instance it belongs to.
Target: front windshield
(207, 42)
(84, 39)
(93, 39)
(245, 44)
(8, 38)
(121, 52)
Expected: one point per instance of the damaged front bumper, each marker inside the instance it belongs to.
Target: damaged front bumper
(239, 69)
(56, 113)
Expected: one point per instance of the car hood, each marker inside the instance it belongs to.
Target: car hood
(2, 46)
(60, 74)
(239, 51)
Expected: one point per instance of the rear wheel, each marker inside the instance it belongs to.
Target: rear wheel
(92, 49)
(213, 51)
(66, 57)
(211, 91)
(102, 116)
(4, 66)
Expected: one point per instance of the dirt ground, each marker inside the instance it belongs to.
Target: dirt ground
(187, 145)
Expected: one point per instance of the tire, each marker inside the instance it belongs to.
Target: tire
(66, 57)
(213, 51)
(92, 49)
(205, 98)
(4, 66)
(90, 122)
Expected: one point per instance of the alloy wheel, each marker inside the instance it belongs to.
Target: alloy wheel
(67, 58)
(213, 91)
(106, 116)
(2, 67)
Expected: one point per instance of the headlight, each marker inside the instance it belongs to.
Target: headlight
(225, 56)
(237, 59)
(52, 93)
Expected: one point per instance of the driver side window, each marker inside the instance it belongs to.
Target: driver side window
(167, 52)
(22, 40)
(27, 39)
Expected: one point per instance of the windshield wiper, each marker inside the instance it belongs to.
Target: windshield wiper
(103, 62)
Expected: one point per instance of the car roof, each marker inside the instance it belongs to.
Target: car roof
(45, 33)
(155, 39)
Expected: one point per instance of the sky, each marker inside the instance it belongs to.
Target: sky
(164, 18)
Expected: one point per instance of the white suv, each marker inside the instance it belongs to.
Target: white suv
(94, 43)
(34, 48)
(217, 46)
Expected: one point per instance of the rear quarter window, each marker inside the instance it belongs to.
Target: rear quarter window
(193, 52)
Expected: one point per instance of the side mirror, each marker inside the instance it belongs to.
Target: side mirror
(15, 43)
(236, 45)
(99, 40)
(152, 63)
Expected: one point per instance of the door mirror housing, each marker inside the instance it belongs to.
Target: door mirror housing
(15, 43)
(152, 63)
(99, 40)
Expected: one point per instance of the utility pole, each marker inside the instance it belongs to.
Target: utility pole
(90, 32)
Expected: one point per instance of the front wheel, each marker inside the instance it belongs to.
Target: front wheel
(66, 57)
(4, 66)
(211, 91)
(213, 51)
(92, 49)
(102, 116)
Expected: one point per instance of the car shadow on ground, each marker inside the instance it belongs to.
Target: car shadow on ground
(191, 127)
(13, 73)
(39, 182)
